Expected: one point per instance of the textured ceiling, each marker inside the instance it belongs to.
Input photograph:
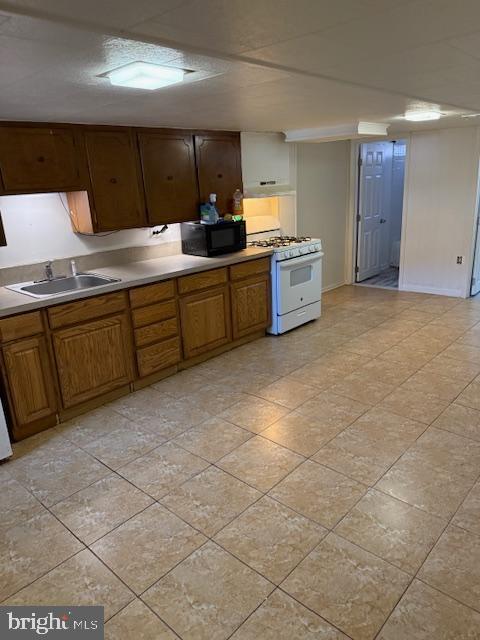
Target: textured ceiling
(260, 64)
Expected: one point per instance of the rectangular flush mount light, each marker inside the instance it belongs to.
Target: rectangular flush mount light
(351, 131)
(145, 75)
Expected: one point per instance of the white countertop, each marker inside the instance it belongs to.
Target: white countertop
(131, 275)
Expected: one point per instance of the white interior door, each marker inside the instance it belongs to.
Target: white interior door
(476, 264)
(373, 208)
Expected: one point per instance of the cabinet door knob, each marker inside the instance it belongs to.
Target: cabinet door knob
(113, 180)
(219, 175)
(169, 177)
(41, 159)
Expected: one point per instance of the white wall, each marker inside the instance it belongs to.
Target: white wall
(37, 228)
(440, 209)
(322, 196)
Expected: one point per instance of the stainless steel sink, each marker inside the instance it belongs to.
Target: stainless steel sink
(57, 286)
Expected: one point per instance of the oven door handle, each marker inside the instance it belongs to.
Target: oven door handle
(294, 262)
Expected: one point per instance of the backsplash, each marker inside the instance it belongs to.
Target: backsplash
(37, 228)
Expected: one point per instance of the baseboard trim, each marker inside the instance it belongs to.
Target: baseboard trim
(415, 288)
(333, 286)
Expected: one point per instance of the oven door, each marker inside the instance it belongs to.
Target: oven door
(299, 282)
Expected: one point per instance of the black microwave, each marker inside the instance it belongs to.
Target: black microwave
(210, 240)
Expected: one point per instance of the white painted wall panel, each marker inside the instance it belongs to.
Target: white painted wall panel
(439, 215)
(322, 196)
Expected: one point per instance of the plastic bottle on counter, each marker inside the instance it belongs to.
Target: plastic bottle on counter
(208, 211)
(237, 205)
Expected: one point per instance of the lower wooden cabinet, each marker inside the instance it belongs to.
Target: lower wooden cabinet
(205, 321)
(31, 385)
(250, 305)
(56, 360)
(93, 358)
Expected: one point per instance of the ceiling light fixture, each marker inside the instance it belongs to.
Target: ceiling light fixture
(470, 115)
(417, 115)
(145, 75)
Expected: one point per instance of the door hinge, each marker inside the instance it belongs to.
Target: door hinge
(357, 269)
(360, 161)
(359, 217)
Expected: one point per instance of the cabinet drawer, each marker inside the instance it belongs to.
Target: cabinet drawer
(158, 356)
(152, 293)
(154, 313)
(156, 332)
(72, 312)
(204, 280)
(250, 268)
(28, 324)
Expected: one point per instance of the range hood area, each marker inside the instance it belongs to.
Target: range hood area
(268, 165)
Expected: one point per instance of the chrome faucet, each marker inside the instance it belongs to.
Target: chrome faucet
(49, 270)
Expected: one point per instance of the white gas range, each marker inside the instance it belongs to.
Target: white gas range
(296, 280)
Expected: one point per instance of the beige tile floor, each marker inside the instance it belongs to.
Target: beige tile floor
(319, 485)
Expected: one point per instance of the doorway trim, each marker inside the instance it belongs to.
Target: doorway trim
(352, 207)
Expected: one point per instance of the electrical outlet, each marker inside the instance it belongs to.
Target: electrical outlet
(459, 259)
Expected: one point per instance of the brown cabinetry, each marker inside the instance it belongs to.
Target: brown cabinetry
(38, 159)
(94, 349)
(251, 297)
(169, 176)
(93, 358)
(115, 195)
(156, 331)
(27, 376)
(250, 305)
(121, 177)
(219, 167)
(205, 320)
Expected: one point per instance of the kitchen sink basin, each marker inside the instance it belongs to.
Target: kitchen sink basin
(57, 286)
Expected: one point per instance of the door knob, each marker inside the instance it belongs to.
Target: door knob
(382, 220)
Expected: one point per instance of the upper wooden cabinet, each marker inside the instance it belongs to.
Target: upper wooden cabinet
(219, 167)
(114, 174)
(169, 176)
(39, 159)
(121, 177)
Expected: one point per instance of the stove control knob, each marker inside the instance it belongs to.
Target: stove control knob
(304, 250)
(312, 248)
(318, 247)
(280, 256)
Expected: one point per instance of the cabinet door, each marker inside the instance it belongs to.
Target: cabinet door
(169, 177)
(93, 358)
(38, 159)
(251, 305)
(30, 382)
(205, 320)
(219, 167)
(114, 174)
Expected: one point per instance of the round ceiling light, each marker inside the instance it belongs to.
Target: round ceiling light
(417, 115)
